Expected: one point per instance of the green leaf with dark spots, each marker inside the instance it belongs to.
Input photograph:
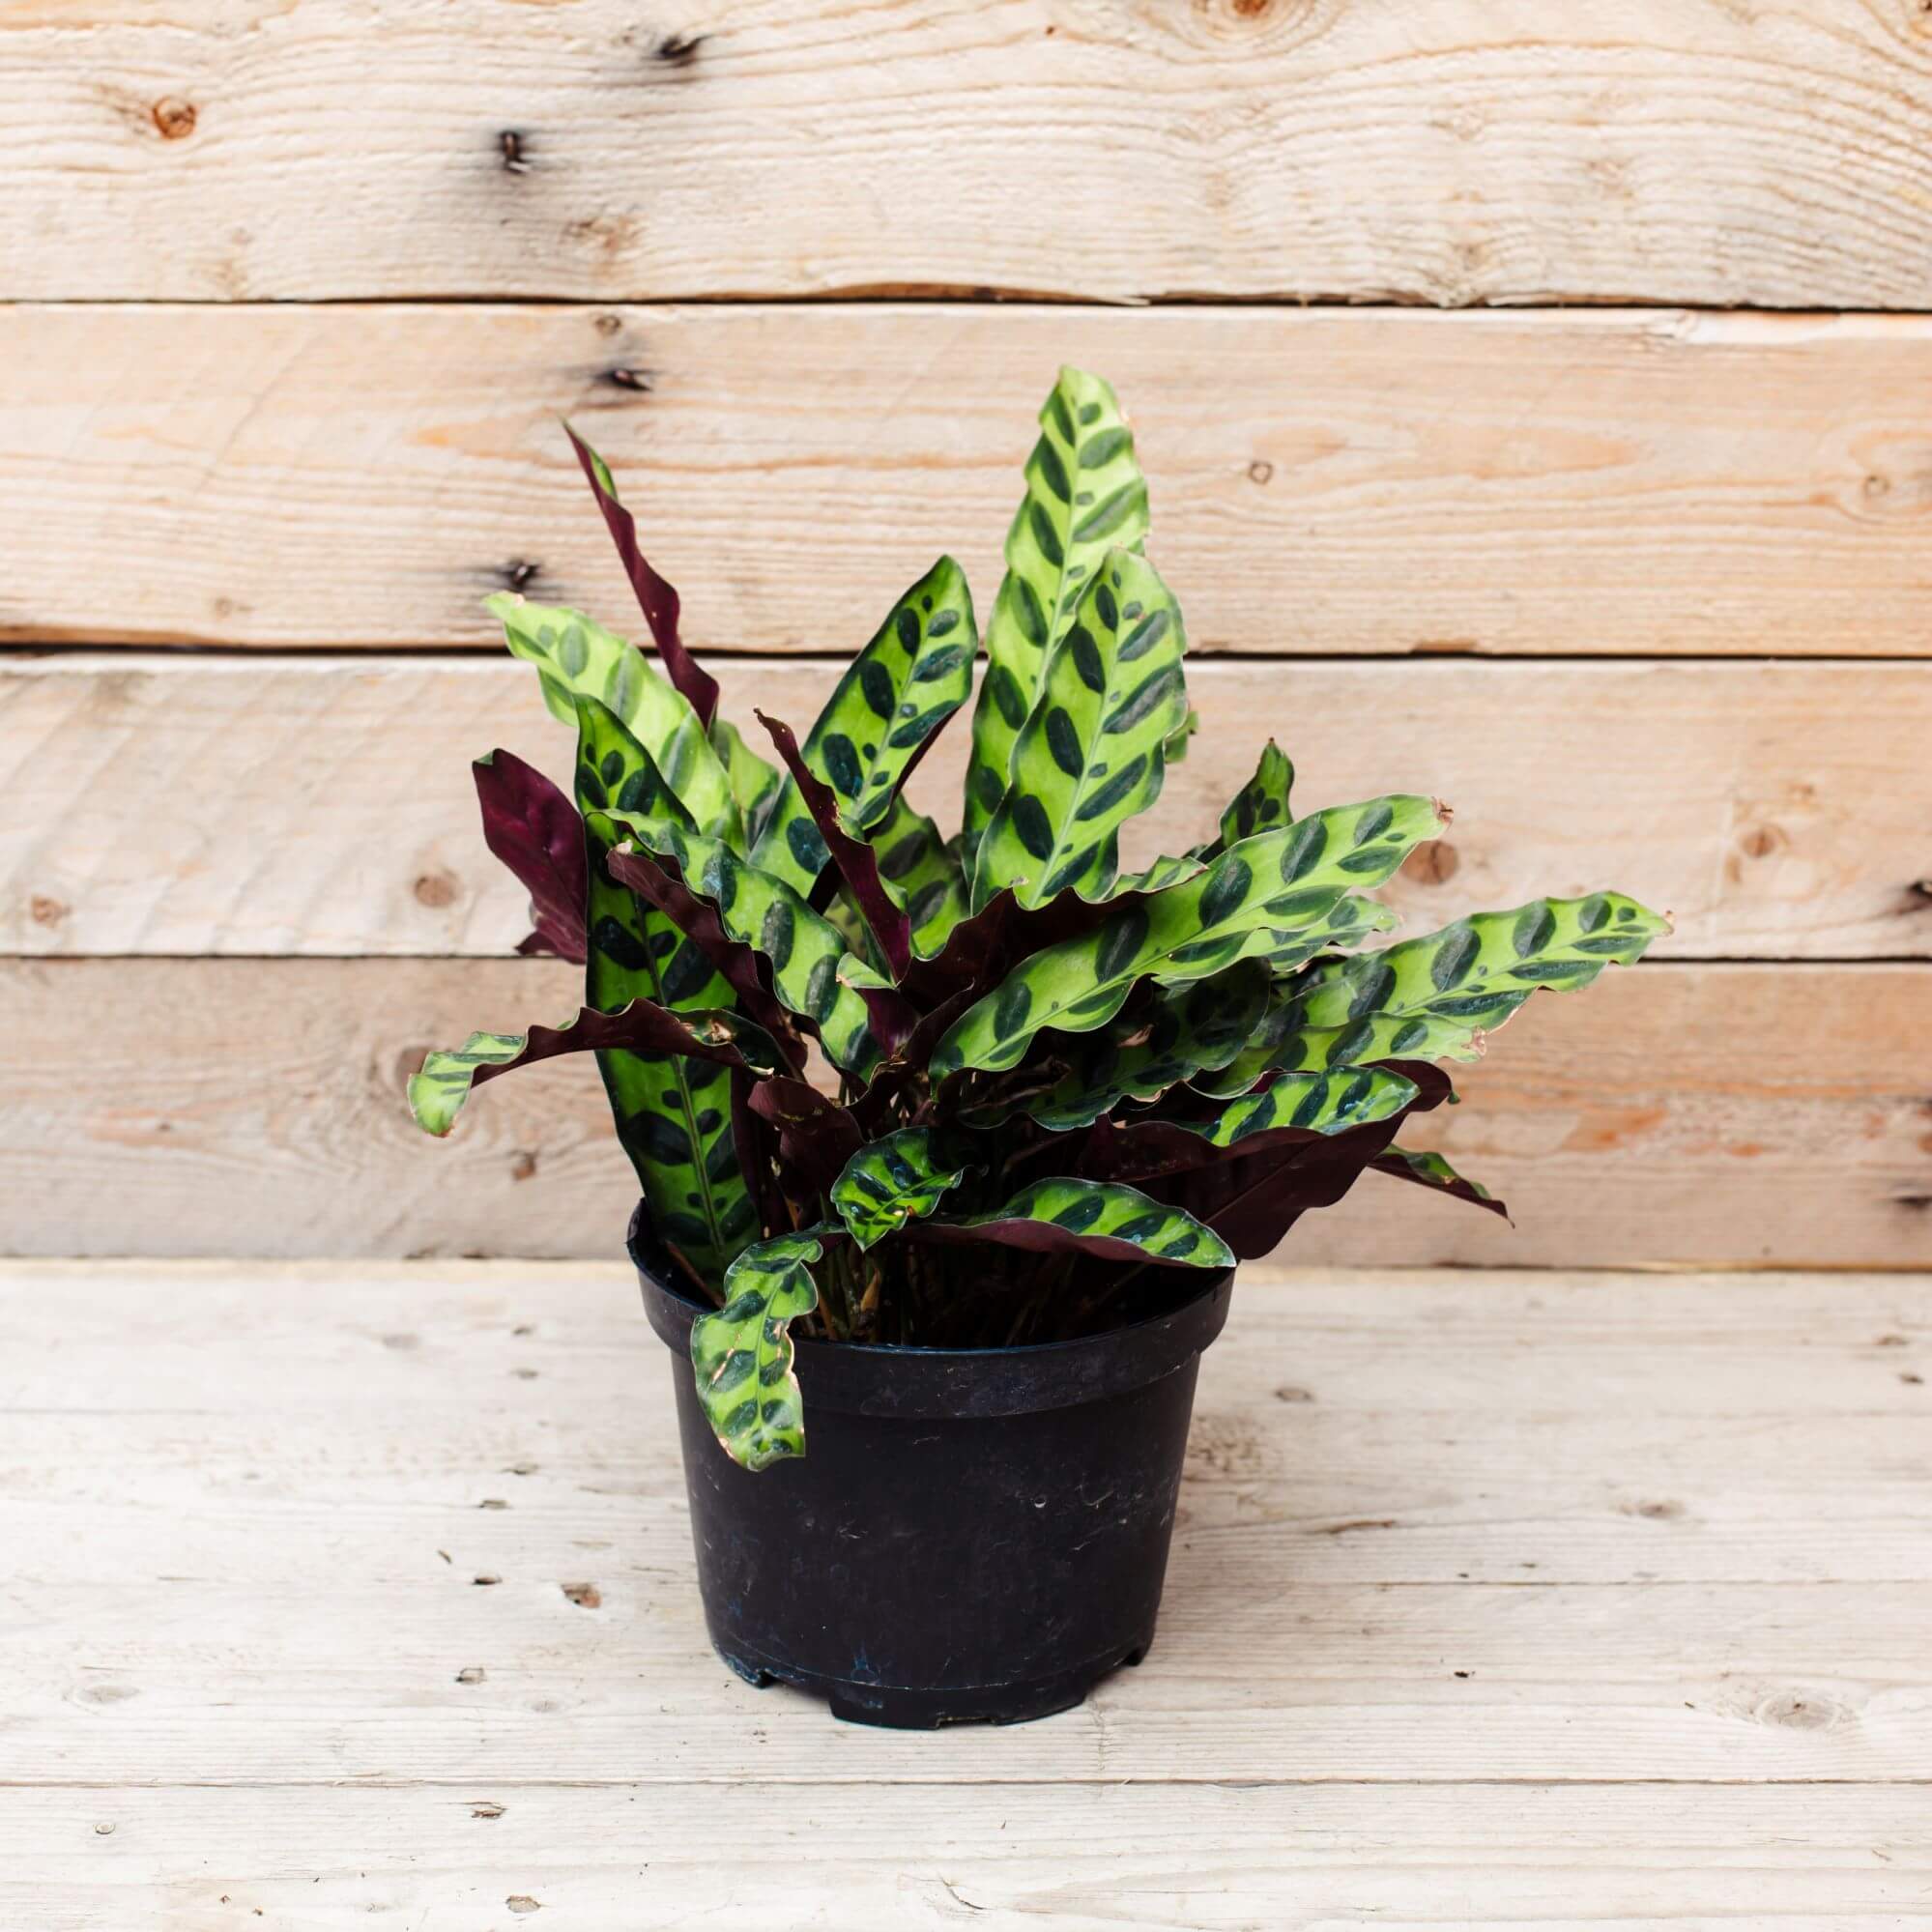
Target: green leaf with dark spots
(1431, 1170)
(665, 1140)
(1162, 693)
(1054, 548)
(776, 931)
(1280, 896)
(764, 914)
(1140, 1056)
(1226, 890)
(1067, 1214)
(1158, 875)
(1196, 1028)
(876, 687)
(1093, 751)
(1283, 1041)
(447, 1076)
(1062, 738)
(1103, 799)
(576, 659)
(900, 689)
(1010, 1007)
(1031, 828)
(1261, 805)
(1330, 1102)
(822, 989)
(920, 872)
(943, 666)
(1009, 699)
(890, 1181)
(742, 1354)
(1083, 655)
(1473, 974)
(807, 848)
(637, 952)
(839, 756)
(1453, 958)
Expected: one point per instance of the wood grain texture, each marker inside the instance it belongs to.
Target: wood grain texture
(216, 1483)
(916, 1857)
(1332, 481)
(297, 805)
(1308, 1426)
(1455, 152)
(1748, 1114)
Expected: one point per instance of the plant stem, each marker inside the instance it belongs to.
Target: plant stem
(715, 1296)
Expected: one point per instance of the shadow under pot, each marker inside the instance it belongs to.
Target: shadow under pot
(972, 1536)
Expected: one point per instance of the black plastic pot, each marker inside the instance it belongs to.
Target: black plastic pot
(973, 1535)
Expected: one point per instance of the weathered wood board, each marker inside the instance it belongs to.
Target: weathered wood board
(1331, 481)
(872, 1856)
(324, 806)
(1738, 1114)
(1496, 1600)
(1455, 152)
(1529, 1599)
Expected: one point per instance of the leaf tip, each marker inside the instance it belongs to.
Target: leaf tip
(423, 1110)
(780, 734)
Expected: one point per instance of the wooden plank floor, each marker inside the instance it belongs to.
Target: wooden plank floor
(1496, 1599)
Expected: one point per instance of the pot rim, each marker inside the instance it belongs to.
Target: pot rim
(882, 1378)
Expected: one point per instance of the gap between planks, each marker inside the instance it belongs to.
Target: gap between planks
(1460, 156)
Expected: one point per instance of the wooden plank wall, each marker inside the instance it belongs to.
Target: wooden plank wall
(1539, 411)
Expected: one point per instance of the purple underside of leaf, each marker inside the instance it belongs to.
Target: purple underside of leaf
(1042, 1237)
(974, 959)
(641, 1027)
(890, 1019)
(658, 881)
(981, 950)
(916, 1050)
(816, 1136)
(1135, 1151)
(1457, 1189)
(656, 598)
(1251, 1197)
(873, 1109)
(752, 1139)
(536, 831)
(856, 861)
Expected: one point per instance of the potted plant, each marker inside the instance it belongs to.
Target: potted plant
(948, 1146)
